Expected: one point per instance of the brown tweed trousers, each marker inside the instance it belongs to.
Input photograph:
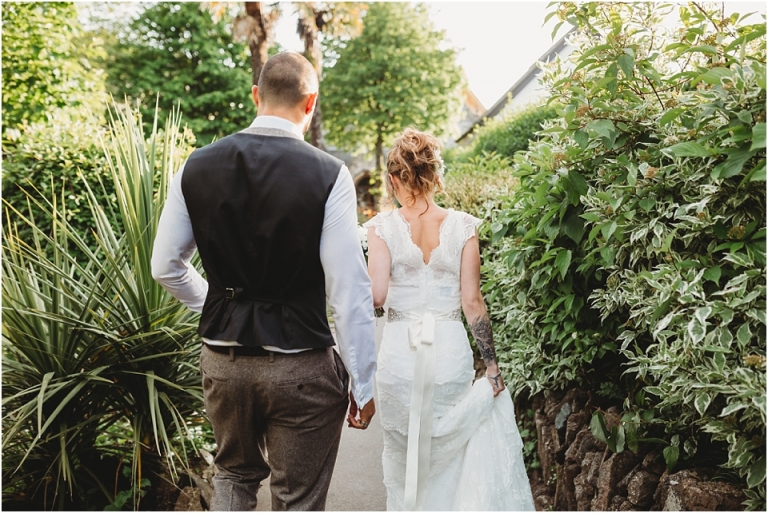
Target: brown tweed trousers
(281, 415)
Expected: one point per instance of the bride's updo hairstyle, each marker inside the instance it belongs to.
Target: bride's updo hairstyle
(415, 161)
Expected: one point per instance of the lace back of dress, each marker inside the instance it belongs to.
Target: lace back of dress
(414, 285)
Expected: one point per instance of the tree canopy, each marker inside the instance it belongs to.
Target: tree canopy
(393, 75)
(177, 51)
(47, 63)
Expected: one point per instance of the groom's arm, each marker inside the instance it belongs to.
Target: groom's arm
(348, 287)
(173, 249)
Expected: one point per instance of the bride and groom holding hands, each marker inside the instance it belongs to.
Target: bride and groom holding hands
(275, 223)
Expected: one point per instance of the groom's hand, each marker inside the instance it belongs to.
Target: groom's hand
(366, 414)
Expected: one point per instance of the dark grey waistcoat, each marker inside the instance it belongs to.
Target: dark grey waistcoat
(256, 201)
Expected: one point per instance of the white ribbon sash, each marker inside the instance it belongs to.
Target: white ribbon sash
(421, 336)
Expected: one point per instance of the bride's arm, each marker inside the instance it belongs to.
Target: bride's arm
(378, 267)
(474, 309)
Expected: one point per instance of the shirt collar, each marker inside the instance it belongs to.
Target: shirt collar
(276, 122)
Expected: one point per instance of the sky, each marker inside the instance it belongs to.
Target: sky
(499, 41)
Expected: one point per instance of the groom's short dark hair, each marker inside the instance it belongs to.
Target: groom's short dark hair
(286, 79)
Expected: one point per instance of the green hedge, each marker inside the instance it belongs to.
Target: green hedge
(631, 259)
(504, 135)
(55, 160)
(48, 64)
(474, 185)
(48, 161)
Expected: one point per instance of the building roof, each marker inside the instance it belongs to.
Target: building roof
(522, 82)
(472, 103)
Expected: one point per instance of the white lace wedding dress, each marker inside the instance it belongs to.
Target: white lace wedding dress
(453, 446)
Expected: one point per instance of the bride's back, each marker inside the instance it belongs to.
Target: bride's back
(416, 283)
(424, 241)
(425, 228)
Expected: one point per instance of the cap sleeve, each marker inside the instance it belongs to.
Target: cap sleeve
(379, 226)
(469, 226)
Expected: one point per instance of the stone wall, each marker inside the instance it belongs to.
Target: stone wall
(580, 473)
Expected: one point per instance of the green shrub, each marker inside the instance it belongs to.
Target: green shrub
(49, 159)
(633, 251)
(99, 361)
(480, 173)
(58, 158)
(48, 64)
(504, 135)
(474, 185)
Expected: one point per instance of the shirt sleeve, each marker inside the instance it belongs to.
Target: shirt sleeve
(348, 287)
(173, 249)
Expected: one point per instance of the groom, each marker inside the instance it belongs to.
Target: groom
(275, 223)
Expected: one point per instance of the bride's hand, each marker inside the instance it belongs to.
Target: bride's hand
(366, 414)
(497, 381)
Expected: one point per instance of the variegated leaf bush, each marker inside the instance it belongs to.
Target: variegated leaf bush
(631, 259)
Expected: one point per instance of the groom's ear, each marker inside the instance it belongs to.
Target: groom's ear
(255, 94)
(311, 100)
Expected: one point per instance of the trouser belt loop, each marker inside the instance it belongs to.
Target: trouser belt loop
(232, 354)
(271, 357)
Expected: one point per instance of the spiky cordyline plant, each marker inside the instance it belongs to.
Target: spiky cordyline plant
(96, 347)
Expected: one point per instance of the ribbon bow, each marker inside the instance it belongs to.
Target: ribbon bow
(422, 331)
(421, 335)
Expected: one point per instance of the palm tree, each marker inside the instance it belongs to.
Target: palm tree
(332, 19)
(256, 24)
(258, 27)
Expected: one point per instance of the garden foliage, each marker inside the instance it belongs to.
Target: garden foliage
(477, 184)
(479, 174)
(99, 362)
(63, 157)
(395, 74)
(57, 158)
(176, 52)
(505, 135)
(48, 64)
(52, 109)
(631, 260)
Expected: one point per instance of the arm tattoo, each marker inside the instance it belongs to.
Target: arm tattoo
(481, 330)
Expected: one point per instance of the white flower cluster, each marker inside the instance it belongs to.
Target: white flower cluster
(441, 165)
(363, 234)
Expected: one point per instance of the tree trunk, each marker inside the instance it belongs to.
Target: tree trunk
(309, 29)
(379, 152)
(316, 127)
(260, 34)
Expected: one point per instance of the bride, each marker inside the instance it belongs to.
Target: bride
(449, 444)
